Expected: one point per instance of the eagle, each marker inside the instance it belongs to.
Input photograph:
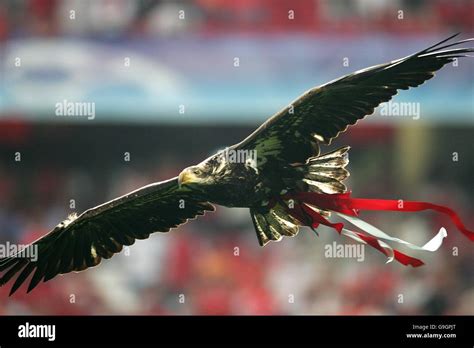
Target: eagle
(277, 172)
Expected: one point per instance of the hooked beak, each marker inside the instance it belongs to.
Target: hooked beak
(186, 177)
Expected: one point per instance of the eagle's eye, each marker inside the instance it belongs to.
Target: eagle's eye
(197, 171)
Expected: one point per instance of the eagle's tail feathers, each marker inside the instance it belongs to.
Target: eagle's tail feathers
(325, 174)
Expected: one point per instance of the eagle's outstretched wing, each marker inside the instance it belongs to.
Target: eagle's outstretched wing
(320, 114)
(82, 242)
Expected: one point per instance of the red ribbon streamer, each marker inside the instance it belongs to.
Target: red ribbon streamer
(343, 203)
(302, 213)
(399, 256)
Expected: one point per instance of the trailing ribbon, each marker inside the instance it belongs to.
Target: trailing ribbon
(348, 208)
(432, 245)
(343, 203)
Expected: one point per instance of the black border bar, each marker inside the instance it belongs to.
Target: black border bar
(290, 330)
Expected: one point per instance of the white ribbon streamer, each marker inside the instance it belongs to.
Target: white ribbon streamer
(431, 245)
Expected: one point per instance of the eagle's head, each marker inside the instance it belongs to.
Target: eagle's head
(203, 174)
(194, 175)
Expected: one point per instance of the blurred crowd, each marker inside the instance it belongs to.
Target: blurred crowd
(122, 18)
(214, 265)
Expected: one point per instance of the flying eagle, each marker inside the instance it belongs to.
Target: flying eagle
(286, 185)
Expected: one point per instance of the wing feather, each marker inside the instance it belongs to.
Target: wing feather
(81, 242)
(323, 112)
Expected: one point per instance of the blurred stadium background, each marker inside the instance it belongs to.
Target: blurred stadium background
(190, 63)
